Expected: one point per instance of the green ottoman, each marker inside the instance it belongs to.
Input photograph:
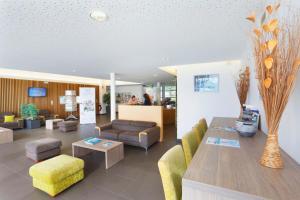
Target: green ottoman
(57, 174)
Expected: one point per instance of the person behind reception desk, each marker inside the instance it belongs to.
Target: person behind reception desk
(147, 100)
(133, 100)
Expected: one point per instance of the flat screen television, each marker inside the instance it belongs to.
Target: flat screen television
(37, 92)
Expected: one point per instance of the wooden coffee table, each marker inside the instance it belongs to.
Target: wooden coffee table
(113, 153)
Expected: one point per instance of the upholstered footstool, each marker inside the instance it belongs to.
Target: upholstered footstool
(57, 174)
(67, 126)
(43, 148)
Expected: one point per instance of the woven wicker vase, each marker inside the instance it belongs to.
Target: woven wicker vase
(271, 156)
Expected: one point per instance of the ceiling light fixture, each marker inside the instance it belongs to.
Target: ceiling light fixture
(98, 16)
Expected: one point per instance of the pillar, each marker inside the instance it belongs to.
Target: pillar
(112, 96)
(102, 91)
(158, 96)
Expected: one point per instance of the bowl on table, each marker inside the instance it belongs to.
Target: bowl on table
(245, 128)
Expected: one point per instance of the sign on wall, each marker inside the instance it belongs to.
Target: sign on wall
(70, 101)
(206, 83)
(87, 105)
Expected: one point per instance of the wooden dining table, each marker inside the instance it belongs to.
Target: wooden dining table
(227, 173)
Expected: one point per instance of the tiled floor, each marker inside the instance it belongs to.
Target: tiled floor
(135, 177)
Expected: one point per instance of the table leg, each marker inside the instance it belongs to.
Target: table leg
(114, 155)
(78, 151)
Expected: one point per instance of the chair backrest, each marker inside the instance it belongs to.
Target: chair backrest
(199, 132)
(172, 166)
(203, 124)
(190, 145)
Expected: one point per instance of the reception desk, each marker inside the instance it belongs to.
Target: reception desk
(224, 173)
(143, 113)
(169, 115)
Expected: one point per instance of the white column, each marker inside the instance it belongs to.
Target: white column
(102, 91)
(158, 96)
(112, 96)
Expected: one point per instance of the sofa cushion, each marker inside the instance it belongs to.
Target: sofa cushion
(112, 134)
(122, 125)
(4, 114)
(129, 136)
(42, 145)
(131, 125)
(9, 118)
(143, 124)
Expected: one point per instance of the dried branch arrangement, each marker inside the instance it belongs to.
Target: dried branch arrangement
(277, 53)
(242, 85)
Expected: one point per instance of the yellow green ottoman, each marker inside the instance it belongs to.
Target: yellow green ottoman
(57, 174)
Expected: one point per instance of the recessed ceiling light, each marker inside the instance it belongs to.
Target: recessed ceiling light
(98, 15)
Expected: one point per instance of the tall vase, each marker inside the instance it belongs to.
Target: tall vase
(271, 156)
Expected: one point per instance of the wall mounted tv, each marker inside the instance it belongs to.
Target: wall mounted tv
(37, 92)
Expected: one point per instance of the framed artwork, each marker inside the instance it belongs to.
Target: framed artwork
(206, 83)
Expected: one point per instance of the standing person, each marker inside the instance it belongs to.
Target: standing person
(133, 100)
(147, 100)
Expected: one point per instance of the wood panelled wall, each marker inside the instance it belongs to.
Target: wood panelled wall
(14, 92)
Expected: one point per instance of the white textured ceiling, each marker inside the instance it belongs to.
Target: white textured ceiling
(58, 36)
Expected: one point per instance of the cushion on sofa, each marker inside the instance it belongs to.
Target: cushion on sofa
(9, 118)
(129, 136)
(122, 125)
(42, 145)
(143, 124)
(56, 169)
(3, 114)
(111, 134)
(130, 125)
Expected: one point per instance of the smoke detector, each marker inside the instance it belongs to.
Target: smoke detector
(98, 16)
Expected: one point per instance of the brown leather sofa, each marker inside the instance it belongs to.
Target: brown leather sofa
(17, 124)
(136, 133)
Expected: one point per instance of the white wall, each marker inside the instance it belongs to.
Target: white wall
(194, 105)
(136, 90)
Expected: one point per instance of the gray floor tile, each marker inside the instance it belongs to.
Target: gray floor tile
(135, 177)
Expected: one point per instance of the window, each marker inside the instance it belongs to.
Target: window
(169, 91)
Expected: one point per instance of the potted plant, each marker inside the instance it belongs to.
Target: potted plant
(29, 113)
(106, 100)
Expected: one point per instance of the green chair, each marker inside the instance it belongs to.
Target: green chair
(190, 145)
(172, 166)
(203, 124)
(199, 132)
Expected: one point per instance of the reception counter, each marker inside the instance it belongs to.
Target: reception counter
(225, 173)
(169, 115)
(143, 113)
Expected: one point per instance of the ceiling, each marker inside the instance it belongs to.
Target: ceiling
(58, 36)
